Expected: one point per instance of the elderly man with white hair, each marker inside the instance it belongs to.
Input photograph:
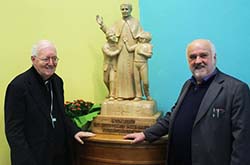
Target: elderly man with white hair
(37, 130)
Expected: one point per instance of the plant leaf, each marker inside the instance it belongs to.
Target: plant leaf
(82, 120)
(95, 107)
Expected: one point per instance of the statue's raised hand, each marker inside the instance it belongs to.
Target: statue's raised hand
(99, 20)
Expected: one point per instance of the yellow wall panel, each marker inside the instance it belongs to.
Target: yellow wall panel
(72, 27)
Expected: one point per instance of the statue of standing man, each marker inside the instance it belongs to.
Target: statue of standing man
(128, 27)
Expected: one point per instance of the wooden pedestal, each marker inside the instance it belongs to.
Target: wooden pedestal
(104, 149)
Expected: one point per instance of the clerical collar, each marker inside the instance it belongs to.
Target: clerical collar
(39, 77)
(205, 79)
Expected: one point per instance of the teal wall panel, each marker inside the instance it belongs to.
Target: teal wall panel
(175, 23)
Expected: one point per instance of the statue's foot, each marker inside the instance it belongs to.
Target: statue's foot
(111, 98)
(137, 99)
(119, 99)
(149, 98)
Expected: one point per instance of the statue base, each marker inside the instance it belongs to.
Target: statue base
(130, 108)
(122, 125)
(123, 117)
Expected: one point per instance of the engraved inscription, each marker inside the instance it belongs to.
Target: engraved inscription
(121, 126)
(123, 121)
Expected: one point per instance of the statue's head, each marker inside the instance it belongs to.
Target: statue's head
(145, 36)
(110, 35)
(126, 9)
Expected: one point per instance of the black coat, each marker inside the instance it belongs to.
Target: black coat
(27, 121)
(221, 130)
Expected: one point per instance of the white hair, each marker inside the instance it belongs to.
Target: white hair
(40, 45)
(208, 41)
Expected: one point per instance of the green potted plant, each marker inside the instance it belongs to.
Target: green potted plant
(82, 112)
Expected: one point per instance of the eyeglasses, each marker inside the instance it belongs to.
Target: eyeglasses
(54, 59)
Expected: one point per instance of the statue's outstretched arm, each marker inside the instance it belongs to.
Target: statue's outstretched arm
(99, 20)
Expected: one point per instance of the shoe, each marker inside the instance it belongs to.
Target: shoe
(119, 99)
(137, 99)
(111, 98)
(149, 98)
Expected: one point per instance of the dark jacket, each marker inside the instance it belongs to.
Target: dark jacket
(27, 122)
(221, 131)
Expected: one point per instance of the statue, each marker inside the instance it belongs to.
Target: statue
(142, 51)
(110, 52)
(130, 28)
(129, 107)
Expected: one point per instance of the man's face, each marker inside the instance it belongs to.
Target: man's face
(201, 59)
(126, 10)
(45, 63)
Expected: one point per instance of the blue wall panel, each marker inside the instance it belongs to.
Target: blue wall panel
(175, 23)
